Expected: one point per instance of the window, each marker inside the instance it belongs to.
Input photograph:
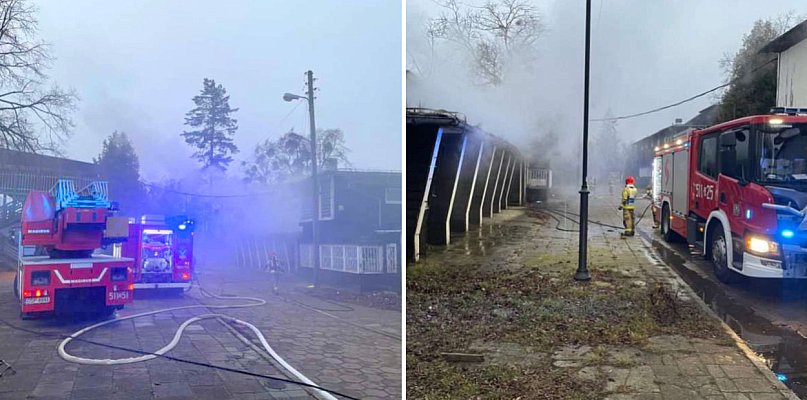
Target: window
(392, 258)
(707, 162)
(741, 150)
(325, 257)
(351, 259)
(338, 258)
(326, 203)
(371, 262)
(392, 195)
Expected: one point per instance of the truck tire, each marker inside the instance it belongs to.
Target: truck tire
(667, 233)
(718, 251)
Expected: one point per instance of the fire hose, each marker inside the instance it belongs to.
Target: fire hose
(254, 302)
(554, 213)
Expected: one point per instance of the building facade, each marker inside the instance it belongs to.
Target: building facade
(359, 230)
(791, 48)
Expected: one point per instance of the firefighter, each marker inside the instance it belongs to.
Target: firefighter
(627, 206)
(273, 265)
(649, 195)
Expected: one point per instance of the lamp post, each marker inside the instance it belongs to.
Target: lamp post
(315, 198)
(582, 270)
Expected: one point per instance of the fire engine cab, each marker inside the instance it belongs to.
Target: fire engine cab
(738, 192)
(57, 268)
(163, 252)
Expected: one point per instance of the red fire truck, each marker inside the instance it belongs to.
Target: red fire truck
(163, 252)
(57, 269)
(737, 191)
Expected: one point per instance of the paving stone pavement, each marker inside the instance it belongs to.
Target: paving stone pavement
(331, 352)
(667, 367)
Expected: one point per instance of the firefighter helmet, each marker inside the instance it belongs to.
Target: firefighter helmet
(630, 181)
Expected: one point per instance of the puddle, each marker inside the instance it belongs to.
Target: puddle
(784, 350)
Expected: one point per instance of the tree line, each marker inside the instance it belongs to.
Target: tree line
(35, 117)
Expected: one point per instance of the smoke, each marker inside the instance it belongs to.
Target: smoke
(537, 106)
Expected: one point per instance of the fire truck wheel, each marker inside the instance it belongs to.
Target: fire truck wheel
(718, 252)
(667, 233)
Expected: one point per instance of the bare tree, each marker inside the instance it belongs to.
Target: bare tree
(33, 116)
(289, 157)
(492, 34)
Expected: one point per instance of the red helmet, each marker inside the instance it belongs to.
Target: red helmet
(630, 181)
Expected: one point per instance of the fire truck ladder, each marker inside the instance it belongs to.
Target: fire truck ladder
(93, 195)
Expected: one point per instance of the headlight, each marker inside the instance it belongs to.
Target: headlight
(761, 245)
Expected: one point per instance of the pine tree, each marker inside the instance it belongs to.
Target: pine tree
(120, 165)
(214, 128)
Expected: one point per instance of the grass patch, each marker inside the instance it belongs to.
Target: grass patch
(441, 380)
(450, 306)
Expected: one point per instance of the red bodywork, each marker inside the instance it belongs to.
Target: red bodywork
(56, 261)
(174, 247)
(708, 197)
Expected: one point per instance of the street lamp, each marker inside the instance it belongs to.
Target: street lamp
(315, 197)
(582, 258)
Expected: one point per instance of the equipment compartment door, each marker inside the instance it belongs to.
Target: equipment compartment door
(680, 174)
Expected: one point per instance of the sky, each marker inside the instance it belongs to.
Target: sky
(137, 65)
(644, 54)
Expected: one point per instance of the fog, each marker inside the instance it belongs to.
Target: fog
(644, 55)
(136, 66)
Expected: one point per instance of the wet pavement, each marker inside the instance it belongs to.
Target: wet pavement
(354, 350)
(769, 315)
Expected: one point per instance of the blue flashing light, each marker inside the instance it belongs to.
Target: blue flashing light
(182, 227)
(787, 233)
(748, 214)
(781, 377)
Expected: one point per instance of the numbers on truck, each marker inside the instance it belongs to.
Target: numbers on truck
(704, 191)
(123, 295)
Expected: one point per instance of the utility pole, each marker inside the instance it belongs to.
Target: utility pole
(582, 269)
(314, 177)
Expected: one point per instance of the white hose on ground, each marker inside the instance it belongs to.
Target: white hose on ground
(178, 335)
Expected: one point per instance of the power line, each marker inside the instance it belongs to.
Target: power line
(208, 195)
(683, 101)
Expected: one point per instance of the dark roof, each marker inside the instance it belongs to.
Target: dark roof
(19, 159)
(787, 39)
(705, 117)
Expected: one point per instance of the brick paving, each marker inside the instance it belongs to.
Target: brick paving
(332, 353)
(666, 367)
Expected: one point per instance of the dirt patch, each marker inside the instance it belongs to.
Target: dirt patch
(500, 311)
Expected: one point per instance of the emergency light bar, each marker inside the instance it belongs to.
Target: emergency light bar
(788, 111)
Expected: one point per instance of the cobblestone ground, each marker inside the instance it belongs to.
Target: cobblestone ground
(666, 367)
(355, 350)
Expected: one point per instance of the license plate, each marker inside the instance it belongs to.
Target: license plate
(124, 295)
(37, 300)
